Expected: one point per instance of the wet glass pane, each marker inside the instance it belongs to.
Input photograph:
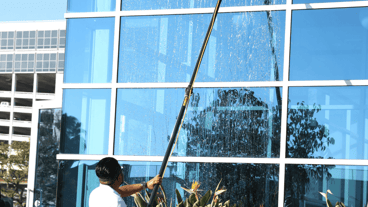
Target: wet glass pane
(86, 120)
(329, 44)
(249, 184)
(242, 47)
(89, 50)
(328, 122)
(46, 163)
(347, 183)
(174, 4)
(91, 5)
(231, 122)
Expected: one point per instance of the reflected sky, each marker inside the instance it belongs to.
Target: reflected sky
(328, 122)
(219, 122)
(86, 120)
(242, 47)
(175, 4)
(329, 44)
(89, 49)
(91, 5)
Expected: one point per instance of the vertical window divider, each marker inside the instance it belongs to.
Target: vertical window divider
(115, 68)
(285, 99)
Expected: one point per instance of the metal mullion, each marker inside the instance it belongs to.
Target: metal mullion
(284, 106)
(115, 69)
(328, 83)
(329, 5)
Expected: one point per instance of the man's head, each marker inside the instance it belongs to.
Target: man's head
(108, 171)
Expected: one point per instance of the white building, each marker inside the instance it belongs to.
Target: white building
(31, 68)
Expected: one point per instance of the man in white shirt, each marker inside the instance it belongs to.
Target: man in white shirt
(110, 193)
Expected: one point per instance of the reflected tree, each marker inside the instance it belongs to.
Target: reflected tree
(238, 124)
(47, 149)
(305, 136)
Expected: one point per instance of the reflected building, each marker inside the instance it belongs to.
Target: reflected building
(31, 71)
(278, 111)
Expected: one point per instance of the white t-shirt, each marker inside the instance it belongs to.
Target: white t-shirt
(105, 196)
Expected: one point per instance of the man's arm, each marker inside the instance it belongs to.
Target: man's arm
(128, 190)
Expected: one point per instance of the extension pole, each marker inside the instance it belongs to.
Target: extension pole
(188, 92)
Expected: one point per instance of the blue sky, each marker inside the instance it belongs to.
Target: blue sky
(28, 10)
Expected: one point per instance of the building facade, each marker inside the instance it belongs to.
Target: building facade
(278, 111)
(31, 64)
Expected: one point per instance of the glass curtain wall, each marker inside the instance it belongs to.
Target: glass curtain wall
(278, 111)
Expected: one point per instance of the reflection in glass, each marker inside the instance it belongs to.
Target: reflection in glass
(347, 183)
(91, 5)
(89, 48)
(86, 120)
(165, 4)
(233, 122)
(46, 163)
(329, 44)
(249, 184)
(328, 122)
(242, 47)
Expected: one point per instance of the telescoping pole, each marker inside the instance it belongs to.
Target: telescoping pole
(188, 93)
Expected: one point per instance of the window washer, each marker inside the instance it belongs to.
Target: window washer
(110, 193)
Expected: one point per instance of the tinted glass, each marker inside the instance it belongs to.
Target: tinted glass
(144, 127)
(86, 120)
(89, 50)
(174, 4)
(47, 149)
(347, 183)
(249, 184)
(328, 122)
(91, 5)
(242, 47)
(329, 44)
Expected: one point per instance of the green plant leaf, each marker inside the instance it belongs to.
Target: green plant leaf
(204, 200)
(139, 201)
(178, 196)
(163, 193)
(227, 203)
(192, 199)
(196, 204)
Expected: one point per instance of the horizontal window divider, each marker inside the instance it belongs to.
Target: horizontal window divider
(217, 160)
(335, 5)
(222, 10)
(220, 84)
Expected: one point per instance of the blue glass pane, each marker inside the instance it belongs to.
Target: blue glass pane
(229, 122)
(46, 163)
(89, 48)
(347, 183)
(319, 1)
(91, 5)
(249, 184)
(174, 4)
(86, 120)
(242, 47)
(328, 122)
(329, 44)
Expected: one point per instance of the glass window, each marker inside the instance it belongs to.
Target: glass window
(48, 33)
(329, 44)
(208, 129)
(26, 34)
(165, 4)
(11, 35)
(19, 34)
(54, 33)
(40, 33)
(32, 34)
(165, 48)
(4, 35)
(89, 50)
(47, 149)
(86, 120)
(328, 122)
(91, 5)
(347, 183)
(246, 184)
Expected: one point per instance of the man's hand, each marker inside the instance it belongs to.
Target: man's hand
(154, 181)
